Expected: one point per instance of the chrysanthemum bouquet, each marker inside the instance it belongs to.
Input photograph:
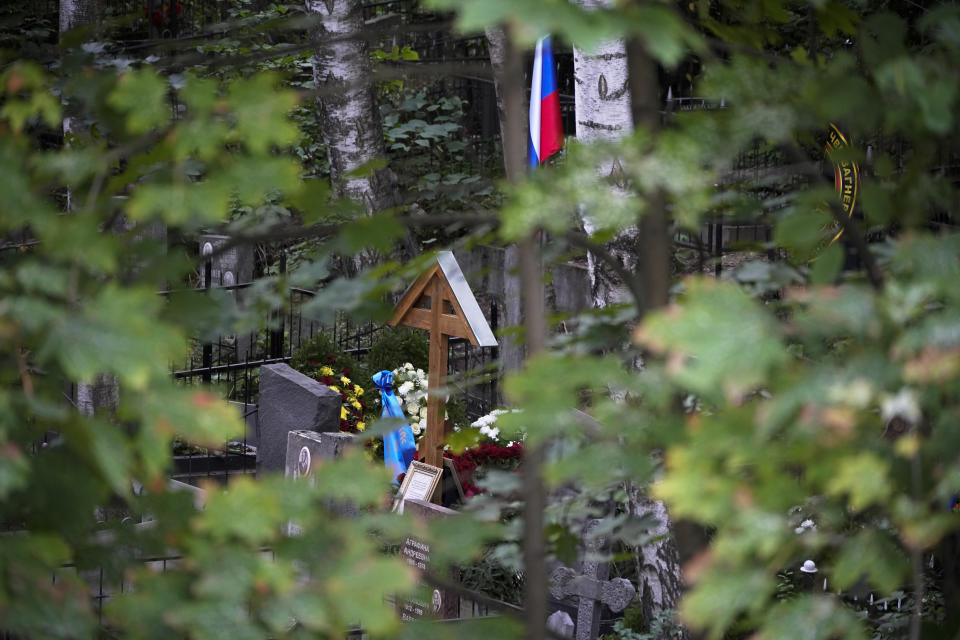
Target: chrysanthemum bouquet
(351, 395)
(410, 386)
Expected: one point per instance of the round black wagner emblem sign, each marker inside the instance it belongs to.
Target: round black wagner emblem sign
(846, 178)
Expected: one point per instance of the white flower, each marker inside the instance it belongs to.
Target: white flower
(408, 366)
(415, 427)
(405, 388)
(490, 432)
(413, 409)
(422, 424)
(420, 374)
(423, 412)
(485, 421)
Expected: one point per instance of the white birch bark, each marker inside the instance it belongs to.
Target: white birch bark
(603, 114)
(603, 109)
(348, 109)
(75, 13)
(103, 393)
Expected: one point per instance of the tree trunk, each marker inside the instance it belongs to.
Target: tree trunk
(75, 13)
(602, 95)
(512, 350)
(658, 563)
(615, 86)
(103, 393)
(348, 110)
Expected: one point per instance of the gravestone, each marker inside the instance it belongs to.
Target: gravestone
(443, 604)
(561, 624)
(291, 401)
(230, 266)
(306, 449)
(591, 587)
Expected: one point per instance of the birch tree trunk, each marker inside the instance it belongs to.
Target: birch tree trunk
(602, 95)
(347, 107)
(608, 91)
(75, 13)
(102, 393)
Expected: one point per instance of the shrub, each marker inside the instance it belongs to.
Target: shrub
(321, 351)
(396, 346)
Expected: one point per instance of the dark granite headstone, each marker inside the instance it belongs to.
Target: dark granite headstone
(443, 604)
(291, 401)
(305, 449)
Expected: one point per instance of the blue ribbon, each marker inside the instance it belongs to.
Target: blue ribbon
(399, 447)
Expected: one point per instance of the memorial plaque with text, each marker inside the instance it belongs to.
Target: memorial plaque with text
(443, 604)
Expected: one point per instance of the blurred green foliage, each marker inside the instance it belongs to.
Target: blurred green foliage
(786, 386)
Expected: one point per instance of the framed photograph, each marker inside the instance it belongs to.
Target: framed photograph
(419, 483)
(454, 475)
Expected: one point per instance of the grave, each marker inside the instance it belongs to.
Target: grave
(230, 266)
(444, 604)
(291, 401)
(591, 587)
(561, 624)
(441, 302)
(305, 449)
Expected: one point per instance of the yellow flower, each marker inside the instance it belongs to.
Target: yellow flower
(326, 371)
(361, 426)
(345, 380)
(343, 412)
(337, 389)
(356, 405)
(357, 389)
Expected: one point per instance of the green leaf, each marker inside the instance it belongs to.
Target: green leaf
(200, 95)
(827, 265)
(182, 202)
(262, 112)
(873, 555)
(115, 333)
(722, 595)
(142, 96)
(864, 478)
(717, 338)
(817, 617)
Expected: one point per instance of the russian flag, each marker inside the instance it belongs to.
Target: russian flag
(546, 130)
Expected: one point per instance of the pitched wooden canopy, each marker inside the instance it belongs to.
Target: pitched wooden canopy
(459, 314)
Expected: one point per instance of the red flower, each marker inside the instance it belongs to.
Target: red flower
(400, 477)
(156, 17)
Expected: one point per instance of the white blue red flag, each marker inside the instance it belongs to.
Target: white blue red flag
(546, 130)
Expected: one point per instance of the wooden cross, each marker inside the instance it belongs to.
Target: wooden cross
(441, 302)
